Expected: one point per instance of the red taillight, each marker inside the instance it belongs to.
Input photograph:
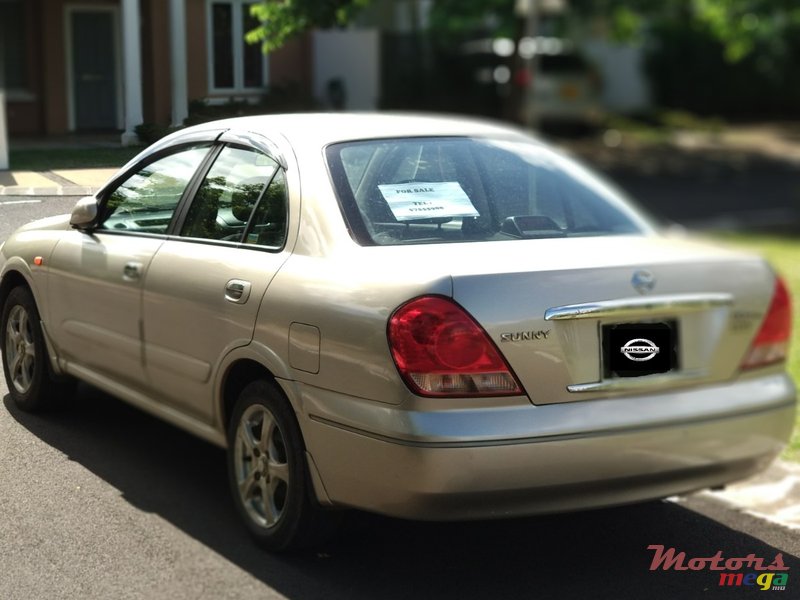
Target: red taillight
(771, 343)
(441, 351)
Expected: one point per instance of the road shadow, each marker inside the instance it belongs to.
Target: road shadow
(597, 554)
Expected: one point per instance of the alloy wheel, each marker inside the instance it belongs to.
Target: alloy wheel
(20, 349)
(261, 466)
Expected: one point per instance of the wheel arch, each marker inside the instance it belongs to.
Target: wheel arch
(16, 275)
(238, 375)
(239, 368)
(242, 371)
(13, 278)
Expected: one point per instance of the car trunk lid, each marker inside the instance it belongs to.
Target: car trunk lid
(553, 308)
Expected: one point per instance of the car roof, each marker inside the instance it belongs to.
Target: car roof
(321, 129)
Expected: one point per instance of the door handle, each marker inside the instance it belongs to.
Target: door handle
(132, 271)
(237, 291)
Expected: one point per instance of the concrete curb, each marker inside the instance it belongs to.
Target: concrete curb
(67, 190)
(56, 183)
(773, 495)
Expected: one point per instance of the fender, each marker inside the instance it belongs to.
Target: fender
(17, 265)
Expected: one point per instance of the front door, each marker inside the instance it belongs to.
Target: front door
(94, 69)
(98, 277)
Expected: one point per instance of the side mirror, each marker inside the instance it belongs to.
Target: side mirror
(84, 213)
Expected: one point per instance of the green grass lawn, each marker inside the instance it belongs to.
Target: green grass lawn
(51, 159)
(784, 254)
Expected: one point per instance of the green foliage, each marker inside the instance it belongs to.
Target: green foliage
(690, 69)
(456, 18)
(53, 159)
(741, 26)
(152, 132)
(277, 99)
(627, 24)
(280, 20)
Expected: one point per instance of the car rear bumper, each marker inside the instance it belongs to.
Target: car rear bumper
(640, 458)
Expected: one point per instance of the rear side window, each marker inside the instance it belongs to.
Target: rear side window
(227, 196)
(267, 225)
(434, 190)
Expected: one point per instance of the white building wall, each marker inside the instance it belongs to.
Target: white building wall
(625, 86)
(352, 55)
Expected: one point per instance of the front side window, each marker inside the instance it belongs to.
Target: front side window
(146, 201)
(434, 190)
(237, 200)
(235, 65)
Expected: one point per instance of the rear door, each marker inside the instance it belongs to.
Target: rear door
(205, 284)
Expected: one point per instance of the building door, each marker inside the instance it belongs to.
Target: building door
(94, 82)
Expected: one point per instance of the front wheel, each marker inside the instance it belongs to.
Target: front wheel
(26, 365)
(267, 472)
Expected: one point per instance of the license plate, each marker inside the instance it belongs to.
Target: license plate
(636, 349)
(569, 92)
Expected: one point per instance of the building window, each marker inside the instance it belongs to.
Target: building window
(234, 65)
(13, 45)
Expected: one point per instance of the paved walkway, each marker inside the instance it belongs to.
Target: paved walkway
(63, 182)
(773, 495)
(58, 182)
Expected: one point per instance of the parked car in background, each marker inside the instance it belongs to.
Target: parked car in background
(566, 90)
(423, 317)
(560, 87)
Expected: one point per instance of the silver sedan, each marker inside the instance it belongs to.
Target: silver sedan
(423, 317)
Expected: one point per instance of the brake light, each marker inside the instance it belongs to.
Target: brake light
(771, 344)
(440, 350)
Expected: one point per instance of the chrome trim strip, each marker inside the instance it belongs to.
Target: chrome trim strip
(645, 382)
(608, 308)
(255, 140)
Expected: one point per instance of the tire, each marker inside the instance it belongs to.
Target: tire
(26, 363)
(268, 474)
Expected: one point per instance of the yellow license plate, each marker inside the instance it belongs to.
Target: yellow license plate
(569, 92)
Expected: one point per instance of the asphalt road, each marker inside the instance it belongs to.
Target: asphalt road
(16, 211)
(98, 500)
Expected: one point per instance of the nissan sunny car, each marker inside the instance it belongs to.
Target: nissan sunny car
(422, 317)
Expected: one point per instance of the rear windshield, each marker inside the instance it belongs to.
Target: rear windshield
(435, 190)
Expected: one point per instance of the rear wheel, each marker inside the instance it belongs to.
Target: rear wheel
(26, 363)
(268, 473)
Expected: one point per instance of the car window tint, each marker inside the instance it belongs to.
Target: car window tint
(355, 160)
(268, 225)
(146, 201)
(226, 198)
(432, 190)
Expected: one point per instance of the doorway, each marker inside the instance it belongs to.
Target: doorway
(92, 53)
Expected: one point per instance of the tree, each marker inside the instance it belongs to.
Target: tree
(739, 25)
(280, 20)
